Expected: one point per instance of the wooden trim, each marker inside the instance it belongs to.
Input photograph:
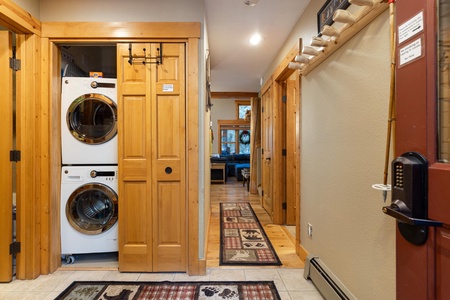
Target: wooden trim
(17, 19)
(239, 122)
(282, 71)
(302, 252)
(220, 95)
(194, 266)
(121, 30)
(266, 85)
(28, 180)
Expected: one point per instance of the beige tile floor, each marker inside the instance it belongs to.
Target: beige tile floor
(289, 282)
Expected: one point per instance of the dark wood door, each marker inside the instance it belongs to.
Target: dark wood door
(422, 125)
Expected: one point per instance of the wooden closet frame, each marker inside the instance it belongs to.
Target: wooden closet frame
(39, 187)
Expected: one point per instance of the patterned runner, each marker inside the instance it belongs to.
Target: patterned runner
(242, 238)
(110, 290)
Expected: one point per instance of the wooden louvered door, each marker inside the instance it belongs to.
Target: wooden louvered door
(152, 146)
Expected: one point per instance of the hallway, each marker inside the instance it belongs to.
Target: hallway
(281, 239)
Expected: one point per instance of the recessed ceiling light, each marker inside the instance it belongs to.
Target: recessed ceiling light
(251, 2)
(255, 39)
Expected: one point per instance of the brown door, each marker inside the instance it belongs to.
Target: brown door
(267, 146)
(422, 125)
(152, 195)
(6, 145)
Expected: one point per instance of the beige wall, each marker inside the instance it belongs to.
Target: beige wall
(125, 11)
(344, 121)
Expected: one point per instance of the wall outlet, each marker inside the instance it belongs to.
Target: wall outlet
(310, 230)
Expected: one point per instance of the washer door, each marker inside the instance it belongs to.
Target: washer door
(92, 208)
(92, 119)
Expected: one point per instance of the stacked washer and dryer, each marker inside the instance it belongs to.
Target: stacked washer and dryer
(89, 201)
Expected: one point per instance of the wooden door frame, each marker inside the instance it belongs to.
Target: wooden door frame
(280, 74)
(39, 227)
(6, 145)
(55, 33)
(30, 260)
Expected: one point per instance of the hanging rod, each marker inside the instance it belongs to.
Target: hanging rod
(146, 59)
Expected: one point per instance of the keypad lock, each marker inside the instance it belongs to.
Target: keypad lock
(409, 203)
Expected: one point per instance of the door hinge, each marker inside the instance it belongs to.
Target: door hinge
(262, 109)
(14, 248)
(14, 63)
(284, 205)
(14, 155)
(262, 151)
(283, 152)
(262, 193)
(284, 99)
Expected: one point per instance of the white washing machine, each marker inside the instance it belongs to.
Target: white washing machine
(89, 209)
(89, 121)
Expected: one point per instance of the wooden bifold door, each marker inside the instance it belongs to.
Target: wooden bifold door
(152, 157)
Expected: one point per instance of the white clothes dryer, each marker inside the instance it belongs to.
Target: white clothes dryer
(89, 209)
(89, 121)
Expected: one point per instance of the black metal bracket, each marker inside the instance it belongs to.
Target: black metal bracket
(145, 59)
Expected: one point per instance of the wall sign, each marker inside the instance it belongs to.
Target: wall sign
(411, 52)
(325, 14)
(410, 28)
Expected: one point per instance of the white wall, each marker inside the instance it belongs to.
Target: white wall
(344, 121)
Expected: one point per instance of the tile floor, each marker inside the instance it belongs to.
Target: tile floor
(290, 282)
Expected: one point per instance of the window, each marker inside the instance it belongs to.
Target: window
(234, 137)
(242, 106)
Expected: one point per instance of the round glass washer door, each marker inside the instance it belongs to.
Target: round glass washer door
(92, 119)
(92, 208)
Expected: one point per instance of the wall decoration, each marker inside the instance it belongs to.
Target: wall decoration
(325, 14)
(208, 82)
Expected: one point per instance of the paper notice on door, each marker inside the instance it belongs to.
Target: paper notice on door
(410, 28)
(411, 52)
(167, 87)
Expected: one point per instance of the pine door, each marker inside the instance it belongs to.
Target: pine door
(6, 144)
(152, 146)
(267, 146)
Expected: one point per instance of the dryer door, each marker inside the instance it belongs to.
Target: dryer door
(92, 208)
(92, 118)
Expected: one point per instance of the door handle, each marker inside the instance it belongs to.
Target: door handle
(394, 212)
(267, 158)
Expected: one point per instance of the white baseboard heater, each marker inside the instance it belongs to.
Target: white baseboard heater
(326, 282)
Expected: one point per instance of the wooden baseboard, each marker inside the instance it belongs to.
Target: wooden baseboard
(302, 253)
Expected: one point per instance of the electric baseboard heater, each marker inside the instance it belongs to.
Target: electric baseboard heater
(326, 282)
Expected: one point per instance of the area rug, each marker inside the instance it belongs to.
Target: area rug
(242, 238)
(132, 290)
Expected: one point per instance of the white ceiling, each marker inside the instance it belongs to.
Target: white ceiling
(236, 65)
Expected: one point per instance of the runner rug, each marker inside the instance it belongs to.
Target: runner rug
(242, 238)
(132, 290)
